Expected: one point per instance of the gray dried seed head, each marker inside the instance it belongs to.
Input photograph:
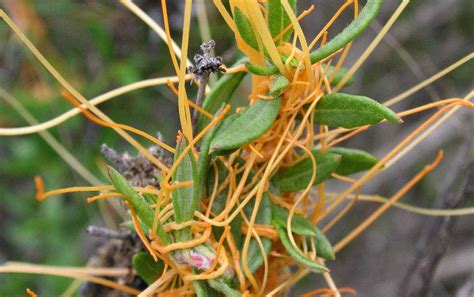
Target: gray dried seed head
(138, 170)
(205, 63)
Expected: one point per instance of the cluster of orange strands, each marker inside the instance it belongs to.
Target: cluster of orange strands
(278, 148)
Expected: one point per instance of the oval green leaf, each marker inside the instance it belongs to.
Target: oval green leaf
(278, 19)
(295, 254)
(359, 25)
(352, 160)
(147, 268)
(299, 175)
(351, 111)
(242, 128)
(323, 246)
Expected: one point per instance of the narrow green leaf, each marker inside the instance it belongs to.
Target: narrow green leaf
(242, 128)
(323, 246)
(352, 160)
(147, 268)
(185, 199)
(339, 75)
(220, 203)
(221, 93)
(359, 25)
(299, 224)
(222, 173)
(150, 198)
(262, 70)
(264, 217)
(299, 175)
(279, 84)
(245, 28)
(295, 254)
(203, 162)
(351, 111)
(293, 62)
(139, 204)
(202, 289)
(278, 19)
(271, 69)
(236, 224)
(221, 286)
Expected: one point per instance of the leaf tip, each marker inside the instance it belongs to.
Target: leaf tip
(110, 171)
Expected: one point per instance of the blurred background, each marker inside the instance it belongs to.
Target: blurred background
(99, 45)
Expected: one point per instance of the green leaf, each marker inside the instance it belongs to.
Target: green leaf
(264, 217)
(359, 25)
(221, 286)
(222, 173)
(147, 268)
(150, 198)
(278, 19)
(262, 70)
(245, 28)
(221, 93)
(323, 246)
(299, 175)
(279, 84)
(202, 289)
(139, 204)
(352, 160)
(185, 199)
(293, 62)
(295, 254)
(242, 128)
(220, 203)
(351, 111)
(204, 160)
(235, 225)
(339, 75)
(299, 224)
(271, 69)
